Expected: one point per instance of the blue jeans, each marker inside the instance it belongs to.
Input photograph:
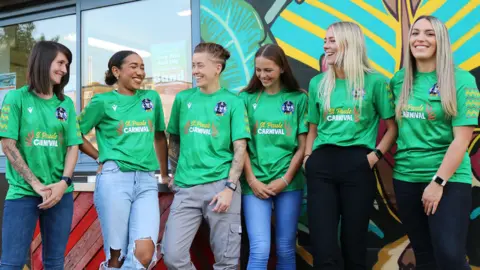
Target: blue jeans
(258, 213)
(128, 210)
(19, 220)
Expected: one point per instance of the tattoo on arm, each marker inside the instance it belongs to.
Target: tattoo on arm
(173, 151)
(13, 155)
(239, 150)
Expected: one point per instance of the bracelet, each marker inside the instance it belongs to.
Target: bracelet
(285, 181)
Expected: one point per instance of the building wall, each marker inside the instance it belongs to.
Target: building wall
(299, 27)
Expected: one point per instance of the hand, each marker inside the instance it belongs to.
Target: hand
(58, 189)
(167, 179)
(431, 198)
(99, 169)
(372, 159)
(42, 190)
(260, 189)
(223, 199)
(305, 161)
(276, 186)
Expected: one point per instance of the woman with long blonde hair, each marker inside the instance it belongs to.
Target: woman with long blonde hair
(436, 111)
(345, 106)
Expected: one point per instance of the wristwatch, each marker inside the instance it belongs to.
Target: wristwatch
(439, 180)
(67, 180)
(231, 185)
(378, 153)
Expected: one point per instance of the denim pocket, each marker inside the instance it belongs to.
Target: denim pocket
(110, 167)
(234, 239)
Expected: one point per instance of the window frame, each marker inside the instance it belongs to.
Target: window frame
(72, 7)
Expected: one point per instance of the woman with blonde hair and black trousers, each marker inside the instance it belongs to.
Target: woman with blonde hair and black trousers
(346, 104)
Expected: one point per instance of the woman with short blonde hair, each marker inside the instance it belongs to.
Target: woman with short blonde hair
(345, 106)
(437, 111)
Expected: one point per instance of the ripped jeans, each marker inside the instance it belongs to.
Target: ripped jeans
(128, 210)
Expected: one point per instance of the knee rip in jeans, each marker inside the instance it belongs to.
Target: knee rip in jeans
(116, 264)
(145, 252)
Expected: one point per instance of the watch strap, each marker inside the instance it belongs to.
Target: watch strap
(231, 185)
(67, 180)
(437, 179)
(378, 153)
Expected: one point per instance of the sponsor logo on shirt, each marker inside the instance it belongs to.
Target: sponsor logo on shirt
(272, 128)
(147, 105)
(44, 139)
(433, 92)
(200, 127)
(358, 93)
(61, 114)
(134, 126)
(287, 107)
(221, 108)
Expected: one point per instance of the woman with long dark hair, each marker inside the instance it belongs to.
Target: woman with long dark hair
(129, 125)
(437, 111)
(40, 139)
(276, 108)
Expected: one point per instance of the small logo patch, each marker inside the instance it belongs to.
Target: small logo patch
(189, 105)
(114, 107)
(61, 114)
(288, 107)
(358, 93)
(434, 92)
(221, 108)
(147, 104)
(30, 109)
(254, 105)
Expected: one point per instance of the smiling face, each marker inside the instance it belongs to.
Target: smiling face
(132, 72)
(267, 71)
(205, 70)
(330, 47)
(58, 68)
(423, 42)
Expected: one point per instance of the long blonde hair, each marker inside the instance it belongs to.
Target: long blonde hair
(351, 57)
(445, 70)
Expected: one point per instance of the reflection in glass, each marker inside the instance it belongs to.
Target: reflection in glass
(16, 43)
(162, 37)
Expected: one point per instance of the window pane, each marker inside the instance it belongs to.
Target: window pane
(16, 43)
(162, 37)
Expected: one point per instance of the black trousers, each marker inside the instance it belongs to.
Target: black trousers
(340, 185)
(439, 241)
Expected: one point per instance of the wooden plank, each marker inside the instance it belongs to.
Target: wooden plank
(164, 200)
(36, 259)
(96, 261)
(83, 226)
(91, 252)
(81, 206)
(88, 240)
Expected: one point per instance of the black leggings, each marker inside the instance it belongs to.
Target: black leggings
(340, 184)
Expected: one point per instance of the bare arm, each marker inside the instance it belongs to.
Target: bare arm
(161, 150)
(249, 176)
(389, 137)
(70, 160)
(239, 150)
(173, 151)
(13, 155)
(297, 159)
(312, 134)
(456, 151)
(88, 148)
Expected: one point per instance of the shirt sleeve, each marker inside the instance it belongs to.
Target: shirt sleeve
(468, 101)
(159, 116)
(384, 99)
(240, 126)
(91, 115)
(174, 122)
(313, 110)
(303, 114)
(74, 136)
(10, 116)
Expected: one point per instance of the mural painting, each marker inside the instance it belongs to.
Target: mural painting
(299, 26)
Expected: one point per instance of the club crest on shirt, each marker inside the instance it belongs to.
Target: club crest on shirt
(61, 114)
(147, 104)
(221, 108)
(358, 93)
(434, 92)
(287, 107)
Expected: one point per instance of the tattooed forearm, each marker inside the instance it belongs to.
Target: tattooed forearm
(239, 150)
(13, 155)
(173, 151)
